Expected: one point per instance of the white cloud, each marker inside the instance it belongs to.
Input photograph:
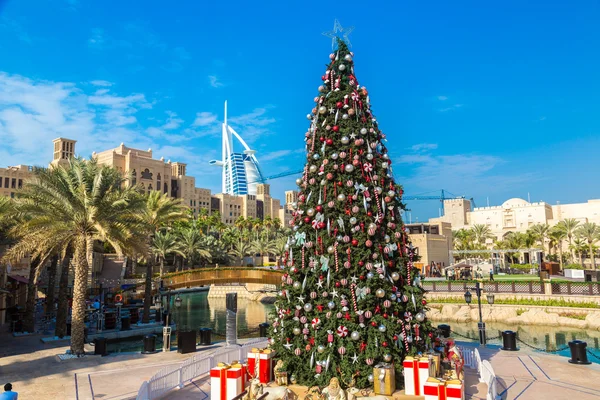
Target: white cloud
(451, 108)
(442, 98)
(254, 124)
(423, 147)
(173, 122)
(277, 154)
(97, 40)
(182, 53)
(214, 81)
(205, 118)
(100, 82)
(468, 174)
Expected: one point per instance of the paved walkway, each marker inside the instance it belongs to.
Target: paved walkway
(528, 375)
(36, 373)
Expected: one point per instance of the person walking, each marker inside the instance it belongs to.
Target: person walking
(8, 393)
(492, 274)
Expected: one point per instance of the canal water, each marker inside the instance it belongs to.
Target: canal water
(198, 311)
(547, 339)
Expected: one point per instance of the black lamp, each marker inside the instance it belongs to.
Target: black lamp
(468, 297)
(178, 302)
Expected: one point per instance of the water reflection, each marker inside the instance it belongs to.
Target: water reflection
(198, 311)
(544, 338)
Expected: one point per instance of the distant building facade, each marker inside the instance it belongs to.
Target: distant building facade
(516, 215)
(432, 242)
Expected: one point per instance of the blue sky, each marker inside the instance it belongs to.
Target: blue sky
(487, 100)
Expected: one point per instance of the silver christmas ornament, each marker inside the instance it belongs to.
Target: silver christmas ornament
(320, 349)
(313, 168)
(308, 307)
(395, 276)
(330, 249)
(322, 88)
(297, 285)
(334, 156)
(331, 305)
(341, 197)
(353, 220)
(299, 181)
(369, 156)
(382, 328)
(420, 317)
(345, 140)
(349, 167)
(322, 110)
(309, 116)
(355, 335)
(296, 331)
(370, 275)
(387, 357)
(344, 116)
(348, 57)
(310, 212)
(371, 378)
(342, 67)
(380, 293)
(316, 156)
(363, 131)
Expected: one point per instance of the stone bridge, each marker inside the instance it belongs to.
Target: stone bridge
(222, 276)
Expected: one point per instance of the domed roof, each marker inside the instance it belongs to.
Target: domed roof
(515, 202)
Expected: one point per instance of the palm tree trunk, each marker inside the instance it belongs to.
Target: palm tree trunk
(162, 267)
(581, 258)
(51, 284)
(29, 318)
(592, 258)
(63, 301)
(147, 292)
(79, 294)
(560, 256)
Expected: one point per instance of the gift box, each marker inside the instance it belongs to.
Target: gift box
(260, 364)
(416, 372)
(436, 389)
(385, 379)
(227, 381)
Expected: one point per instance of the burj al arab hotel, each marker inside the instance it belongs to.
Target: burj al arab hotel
(241, 172)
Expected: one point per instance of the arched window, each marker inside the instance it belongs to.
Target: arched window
(146, 174)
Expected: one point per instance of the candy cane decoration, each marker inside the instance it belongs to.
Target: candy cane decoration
(410, 264)
(352, 287)
(335, 256)
(303, 262)
(378, 205)
(405, 338)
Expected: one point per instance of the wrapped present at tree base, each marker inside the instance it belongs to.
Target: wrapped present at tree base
(436, 389)
(416, 372)
(227, 381)
(384, 375)
(260, 364)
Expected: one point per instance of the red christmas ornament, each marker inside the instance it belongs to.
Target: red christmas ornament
(361, 263)
(339, 104)
(373, 323)
(337, 284)
(390, 263)
(354, 242)
(307, 220)
(369, 213)
(384, 344)
(424, 302)
(329, 142)
(385, 315)
(362, 277)
(321, 139)
(321, 225)
(335, 128)
(319, 208)
(395, 337)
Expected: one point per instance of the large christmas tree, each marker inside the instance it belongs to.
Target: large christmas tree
(350, 298)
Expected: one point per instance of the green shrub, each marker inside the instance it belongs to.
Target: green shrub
(574, 266)
(559, 302)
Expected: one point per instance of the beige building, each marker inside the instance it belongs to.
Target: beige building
(153, 174)
(291, 196)
(516, 215)
(156, 174)
(433, 242)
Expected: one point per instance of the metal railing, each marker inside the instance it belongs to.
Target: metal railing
(486, 375)
(177, 375)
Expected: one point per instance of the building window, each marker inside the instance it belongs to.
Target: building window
(20, 185)
(13, 183)
(190, 203)
(146, 174)
(133, 180)
(149, 187)
(12, 195)
(6, 181)
(165, 188)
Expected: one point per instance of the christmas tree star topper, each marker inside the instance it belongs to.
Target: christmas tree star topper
(340, 32)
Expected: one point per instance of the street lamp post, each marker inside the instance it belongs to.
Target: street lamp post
(490, 298)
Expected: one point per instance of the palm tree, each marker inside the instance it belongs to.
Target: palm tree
(163, 244)
(263, 246)
(558, 235)
(240, 249)
(160, 211)
(540, 231)
(70, 207)
(590, 232)
(280, 248)
(192, 245)
(578, 247)
(481, 233)
(569, 226)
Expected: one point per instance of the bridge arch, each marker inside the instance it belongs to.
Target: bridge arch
(220, 276)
